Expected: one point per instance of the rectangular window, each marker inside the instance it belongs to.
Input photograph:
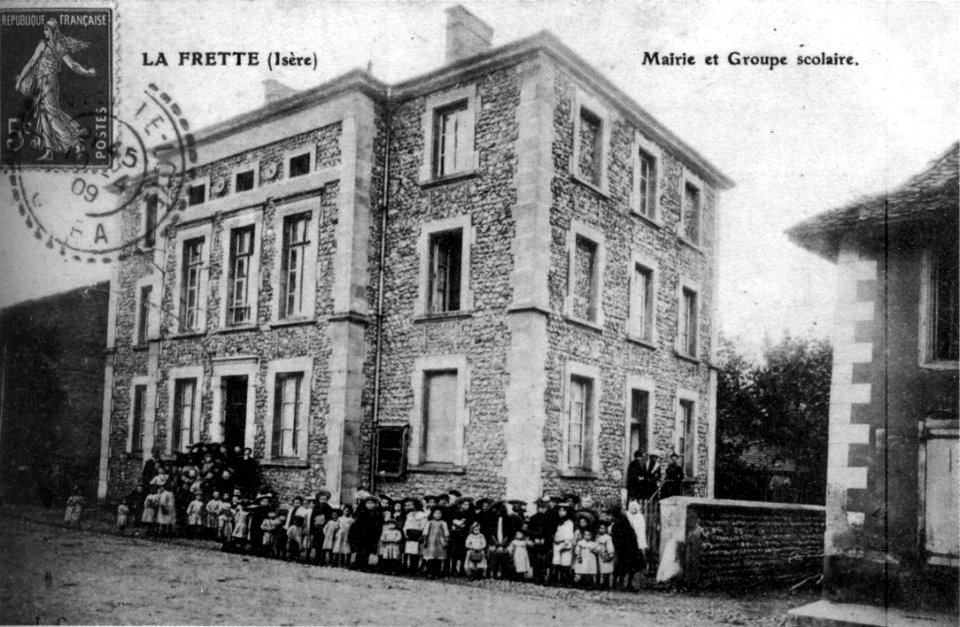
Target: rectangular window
(591, 146)
(299, 165)
(143, 313)
(295, 243)
(444, 288)
(288, 395)
(244, 181)
(150, 221)
(687, 442)
(139, 415)
(196, 194)
(451, 151)
(184, 414)
(647, 172)
(190, 284)
(639, 411)
(688, 322)
(580, 424)
(586, 281)
(440, 416)
(944, 310)
(238, 285)
(691, 213)
(642, 303)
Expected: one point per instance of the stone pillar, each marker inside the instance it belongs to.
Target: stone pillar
(529, 309)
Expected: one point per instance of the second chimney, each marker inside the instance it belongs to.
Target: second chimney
(467, 34)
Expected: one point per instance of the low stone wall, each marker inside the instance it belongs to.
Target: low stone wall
(726, 543)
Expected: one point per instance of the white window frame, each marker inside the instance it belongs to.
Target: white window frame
(925, 348)
(582, 101)
(153, 310)
(422, 366)
(253, 218)
(310, 149)
(240, 169)
(575, 369)
(143, 219)
(206, 232)
(641, 143)
(468, 234)
(646, 384)
(149, 415)
(686, 394)
(580, 229)
(200, 180)
(634, 321)
(690, 179)
(311, 206)
(689, 284)
(175, 374)
(280, 367)
(440, 101)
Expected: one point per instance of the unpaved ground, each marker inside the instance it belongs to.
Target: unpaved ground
(99, 578)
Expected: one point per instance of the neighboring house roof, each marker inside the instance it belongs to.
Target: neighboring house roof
(448, 75)
(931, 195)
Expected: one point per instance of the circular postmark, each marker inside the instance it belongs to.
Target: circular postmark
(95, 214)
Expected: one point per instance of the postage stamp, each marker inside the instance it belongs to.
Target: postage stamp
(57, 85)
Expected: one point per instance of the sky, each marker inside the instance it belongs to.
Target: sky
(796, 140)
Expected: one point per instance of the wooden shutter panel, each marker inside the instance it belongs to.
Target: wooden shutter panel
(275, 447)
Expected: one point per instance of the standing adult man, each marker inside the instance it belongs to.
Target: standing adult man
(636, 471)
(652, 472)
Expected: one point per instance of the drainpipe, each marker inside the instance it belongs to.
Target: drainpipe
(378, 355)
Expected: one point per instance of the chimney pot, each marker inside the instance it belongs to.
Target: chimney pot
(467, 34)
(274, 90)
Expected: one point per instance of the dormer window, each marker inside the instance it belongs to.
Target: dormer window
(196, 194)
(244, 181)
(298, 165)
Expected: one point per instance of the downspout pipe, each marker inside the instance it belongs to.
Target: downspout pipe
(378, 354)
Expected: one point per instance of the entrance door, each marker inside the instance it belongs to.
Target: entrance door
(234, 391)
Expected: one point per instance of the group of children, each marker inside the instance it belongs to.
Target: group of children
(568, 541)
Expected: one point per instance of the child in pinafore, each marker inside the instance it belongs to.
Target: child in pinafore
(225, 523)
(149, 516)
(521, 557)
(269, 526)
(166, 512)
(389, 551)
(294, 526)
(475, 563)
(607, 554)
(330, 531)
(212, 513)
(433, 547)
(195, 516)
(74, 511)
(586, 567)
(341, 548)
(241, 527)
(123, 516)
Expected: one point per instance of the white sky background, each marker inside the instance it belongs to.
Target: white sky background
(796, 140)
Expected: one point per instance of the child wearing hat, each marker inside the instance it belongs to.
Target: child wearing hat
(586, 566)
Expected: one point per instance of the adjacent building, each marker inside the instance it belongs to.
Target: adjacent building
(892, 482)
(497, 276)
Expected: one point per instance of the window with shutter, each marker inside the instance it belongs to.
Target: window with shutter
(184, 427)
(440, 417)
(451, 149)
(580, 424)
(287, 437)
(445, 255)
(139, 413)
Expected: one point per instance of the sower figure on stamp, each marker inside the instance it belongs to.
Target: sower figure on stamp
(39, 80)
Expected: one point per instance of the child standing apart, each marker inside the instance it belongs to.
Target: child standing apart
(586, 567)
(390, 540)
(475, 563)
(434, 541)
(607, 554)
(74, 511)
(123, 516)
(330, 531)
(341, 547)
(520, 555)
(195, 515)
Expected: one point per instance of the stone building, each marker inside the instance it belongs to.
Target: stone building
(892, 481)
(527, 297)
(51, 394)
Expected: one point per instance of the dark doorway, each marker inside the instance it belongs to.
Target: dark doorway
(234, 391)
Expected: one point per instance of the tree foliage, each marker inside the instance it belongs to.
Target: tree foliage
(780, 404)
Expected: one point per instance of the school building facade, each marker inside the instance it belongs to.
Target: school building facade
(497, 276)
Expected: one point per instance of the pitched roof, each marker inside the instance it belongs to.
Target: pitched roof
(931, 195)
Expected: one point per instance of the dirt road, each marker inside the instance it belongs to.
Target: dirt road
(96, 578)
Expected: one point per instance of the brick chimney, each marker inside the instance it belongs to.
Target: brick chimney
(467, 34)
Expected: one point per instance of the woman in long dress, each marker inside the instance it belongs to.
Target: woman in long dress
(39, 80)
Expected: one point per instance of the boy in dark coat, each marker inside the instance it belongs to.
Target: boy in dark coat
(365, 532)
